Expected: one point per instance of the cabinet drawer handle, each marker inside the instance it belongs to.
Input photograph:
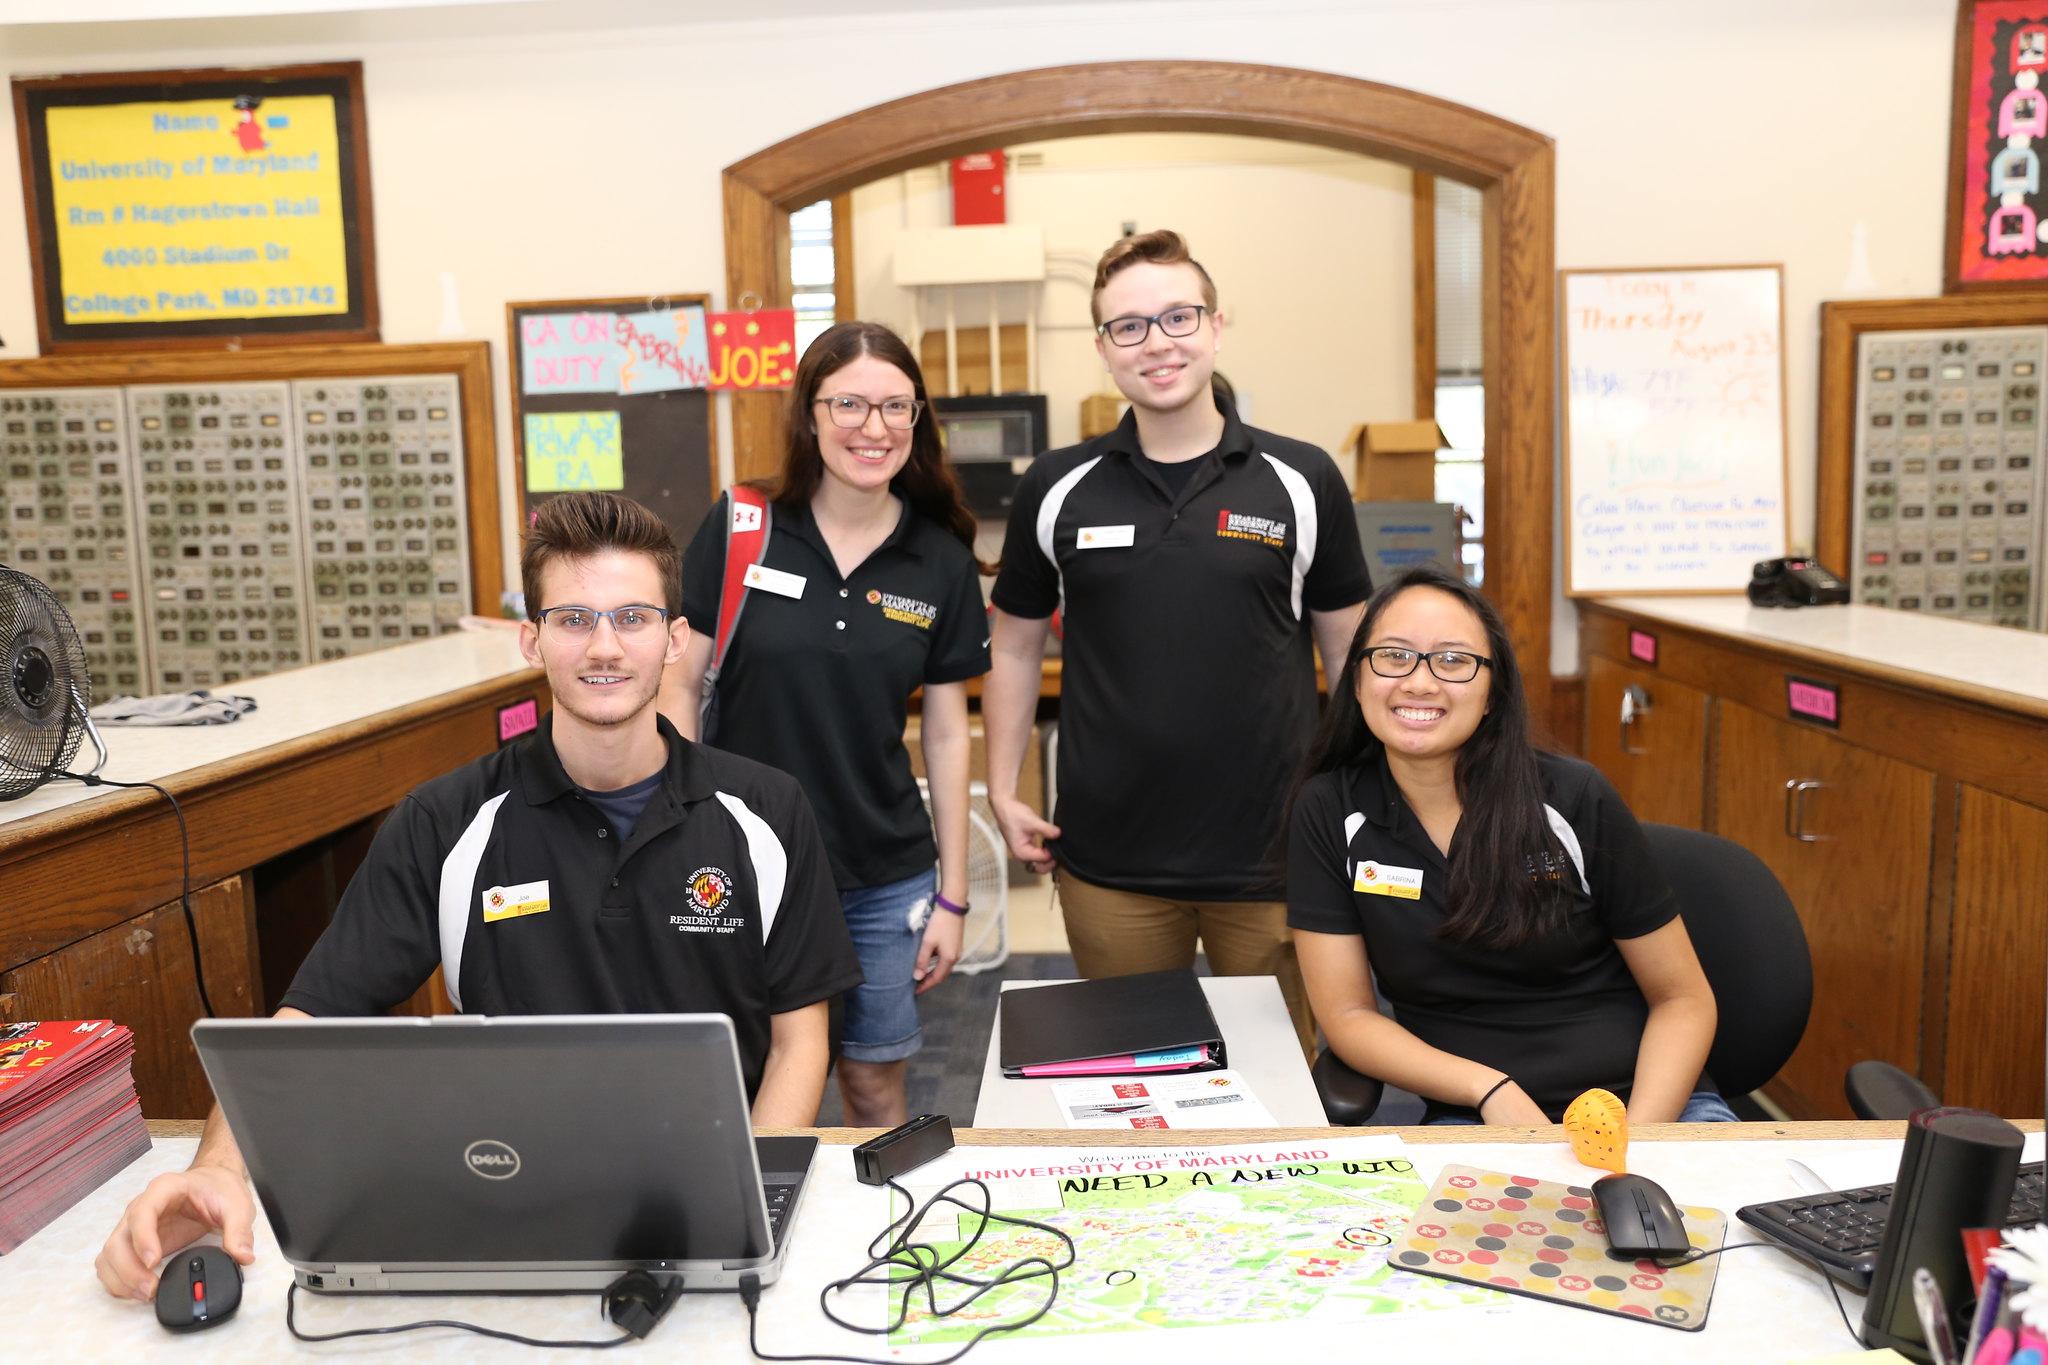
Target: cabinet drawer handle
(1795, 808)
(1635, 703)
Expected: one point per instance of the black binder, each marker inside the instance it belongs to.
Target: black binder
(1110, 1017)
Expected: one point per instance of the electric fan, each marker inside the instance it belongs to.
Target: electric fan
(45, 691)
(985, 943)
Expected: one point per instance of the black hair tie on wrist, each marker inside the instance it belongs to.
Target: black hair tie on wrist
(1498, 1086)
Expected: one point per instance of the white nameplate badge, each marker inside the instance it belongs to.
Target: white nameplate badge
(1382, 879)
(1105, 537)
(775, 581)
(514, 902)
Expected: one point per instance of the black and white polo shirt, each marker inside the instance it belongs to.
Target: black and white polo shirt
(503, 875)
(1188, 694)
(1562, 1014)
(821, 669)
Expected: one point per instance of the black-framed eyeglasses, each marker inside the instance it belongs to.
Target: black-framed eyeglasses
(850, 410)
(577, 623)
(1446, 665)
(1174, 322)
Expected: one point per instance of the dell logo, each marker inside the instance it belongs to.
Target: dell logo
(491, 1159)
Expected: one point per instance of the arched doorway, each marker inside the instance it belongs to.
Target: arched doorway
(1512, 165)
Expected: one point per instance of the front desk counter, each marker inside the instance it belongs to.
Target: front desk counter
(1892, 770)
(280, 806)
(1766, 1306)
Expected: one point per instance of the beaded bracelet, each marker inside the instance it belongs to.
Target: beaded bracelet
(945, 904)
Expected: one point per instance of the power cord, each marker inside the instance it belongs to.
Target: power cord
(185, 880)
(636, 1302)
(894, 1251)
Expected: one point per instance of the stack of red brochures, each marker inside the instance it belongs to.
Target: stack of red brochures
(69, 1118)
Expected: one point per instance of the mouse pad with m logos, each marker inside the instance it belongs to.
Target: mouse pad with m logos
(1545, 1240)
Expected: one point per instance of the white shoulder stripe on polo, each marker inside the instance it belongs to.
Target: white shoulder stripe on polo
(1569, 837)
(458, 891)
(1049, 514)
(771, 861)
(1351, 824)
(1304, 501)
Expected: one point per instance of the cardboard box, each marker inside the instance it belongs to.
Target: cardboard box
(1395, 461)
(1100, 412)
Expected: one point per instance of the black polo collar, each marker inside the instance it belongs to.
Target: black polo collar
(799, 522)
(543, 779)
(1236, 442)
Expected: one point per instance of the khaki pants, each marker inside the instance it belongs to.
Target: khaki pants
(1120, 933)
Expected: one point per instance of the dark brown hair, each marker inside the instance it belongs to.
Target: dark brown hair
(926, 481)
(579, 525)
(1163, 246)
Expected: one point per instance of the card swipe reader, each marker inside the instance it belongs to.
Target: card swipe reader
(881, 1159)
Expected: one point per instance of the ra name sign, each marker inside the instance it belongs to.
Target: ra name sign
(198, 210)
(654, 351)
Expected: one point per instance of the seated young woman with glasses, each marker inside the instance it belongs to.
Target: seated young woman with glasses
(868, 591)
(1503, 897)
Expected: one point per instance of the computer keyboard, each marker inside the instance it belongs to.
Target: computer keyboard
(1840, 1231)
(781, 1197)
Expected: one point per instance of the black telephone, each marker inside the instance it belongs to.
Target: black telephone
(1795, 582)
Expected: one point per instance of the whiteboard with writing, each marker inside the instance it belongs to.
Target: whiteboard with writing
(1674, 427)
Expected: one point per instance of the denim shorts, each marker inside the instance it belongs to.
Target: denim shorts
(881, 1013)
(1703, 1107)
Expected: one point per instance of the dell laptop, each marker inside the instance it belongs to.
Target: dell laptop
(473, 1154)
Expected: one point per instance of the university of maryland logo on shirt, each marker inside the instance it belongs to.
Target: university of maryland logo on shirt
(1244, 526)
(907, 610)
(710, 890)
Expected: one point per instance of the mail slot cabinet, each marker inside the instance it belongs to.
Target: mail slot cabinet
(1905, 812)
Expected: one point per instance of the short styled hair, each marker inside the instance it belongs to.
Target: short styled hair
(1162, 246)
(578, 525)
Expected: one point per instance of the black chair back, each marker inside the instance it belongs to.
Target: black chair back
(1751, 946)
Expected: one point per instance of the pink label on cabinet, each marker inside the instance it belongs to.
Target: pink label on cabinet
(1814, 701)
(1642, 645)
(520, 718)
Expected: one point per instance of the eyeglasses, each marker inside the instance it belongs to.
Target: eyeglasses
(1174, 322)
(849, 410)
(577, 623)
(1446, 665)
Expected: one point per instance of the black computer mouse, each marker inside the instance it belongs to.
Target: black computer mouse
(1641, 1220)
(201, 1286)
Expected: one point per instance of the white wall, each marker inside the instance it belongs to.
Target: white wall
(572, 147)
(1319, 314)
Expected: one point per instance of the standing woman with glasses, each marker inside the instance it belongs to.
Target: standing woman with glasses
(871, 591)
(1504, 897)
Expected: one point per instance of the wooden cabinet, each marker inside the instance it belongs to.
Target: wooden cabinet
(1849, 833)
(1648, 733)
(141, 973)
(1905, 812)
(1998, 956)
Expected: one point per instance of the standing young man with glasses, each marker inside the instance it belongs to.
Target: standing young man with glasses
(1195, 559)
(602, 865)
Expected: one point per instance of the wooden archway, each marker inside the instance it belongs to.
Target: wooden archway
(1512, 165)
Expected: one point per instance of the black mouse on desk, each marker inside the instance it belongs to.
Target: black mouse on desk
(201, 1286)
(1642, 1222)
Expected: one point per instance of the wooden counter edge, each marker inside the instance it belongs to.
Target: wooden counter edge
(1838, 1131)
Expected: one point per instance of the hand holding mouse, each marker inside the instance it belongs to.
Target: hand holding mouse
(174, 1210)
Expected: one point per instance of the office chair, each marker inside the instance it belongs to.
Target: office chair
(1750, 944)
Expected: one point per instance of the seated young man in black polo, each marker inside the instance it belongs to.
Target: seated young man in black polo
(602, 865)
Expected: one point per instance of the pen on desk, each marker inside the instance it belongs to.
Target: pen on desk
(1934, 1329)
(1990, 1299)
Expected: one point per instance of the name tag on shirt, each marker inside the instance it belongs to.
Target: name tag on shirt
(1105, 537)
(510, 902)
(1382, 879)
(775, 581)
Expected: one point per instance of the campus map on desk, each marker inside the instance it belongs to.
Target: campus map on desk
(1199, 1238)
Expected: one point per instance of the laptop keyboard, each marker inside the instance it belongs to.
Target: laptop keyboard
(1840, 1231)
(781, 1195)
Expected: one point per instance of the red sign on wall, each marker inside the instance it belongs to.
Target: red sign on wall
(754, 350)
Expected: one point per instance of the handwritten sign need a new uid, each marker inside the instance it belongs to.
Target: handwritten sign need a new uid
(1674, 428)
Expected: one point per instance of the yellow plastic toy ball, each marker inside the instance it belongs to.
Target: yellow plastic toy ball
(1597, 1124)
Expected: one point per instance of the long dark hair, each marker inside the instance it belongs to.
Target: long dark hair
(926, 480)
(1503, 890)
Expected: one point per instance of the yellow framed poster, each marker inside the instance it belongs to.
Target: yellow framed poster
(207, 208)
